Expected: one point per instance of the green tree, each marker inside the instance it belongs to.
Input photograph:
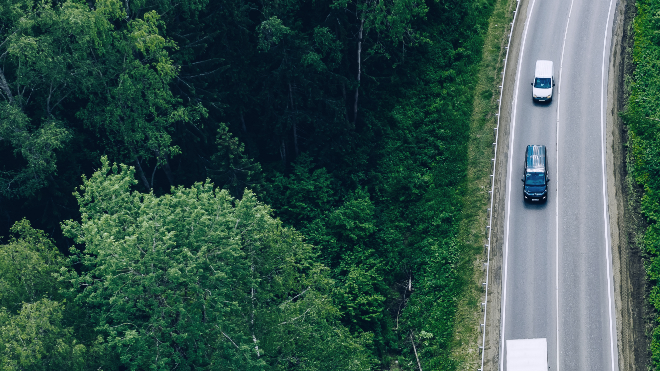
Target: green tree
(35, 339)
(27, 265)
(59, 56)
(391, 21)
(196, 278)
(231, 168)
(304, 196)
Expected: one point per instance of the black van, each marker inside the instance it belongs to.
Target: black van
(535, 178)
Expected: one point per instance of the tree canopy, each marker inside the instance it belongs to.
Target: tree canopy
(195, 278)
(290, 190)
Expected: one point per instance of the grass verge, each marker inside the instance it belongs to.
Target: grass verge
(474, 218)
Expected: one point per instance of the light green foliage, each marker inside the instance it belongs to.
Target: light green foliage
(196, 278)
(27, 265)
(32, 331)
(271, 32)
(133, 105)
(35, 339)
(360, 297)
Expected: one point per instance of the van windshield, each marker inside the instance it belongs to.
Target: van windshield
(542, 83)
(535, 179)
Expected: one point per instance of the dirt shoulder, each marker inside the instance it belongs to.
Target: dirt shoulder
(493, 317)
(626, 222)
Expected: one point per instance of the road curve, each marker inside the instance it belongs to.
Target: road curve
(557, 273)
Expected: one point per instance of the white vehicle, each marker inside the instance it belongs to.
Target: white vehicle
(544, 80)
(527, 355)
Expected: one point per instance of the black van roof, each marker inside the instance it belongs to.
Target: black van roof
(535, 158)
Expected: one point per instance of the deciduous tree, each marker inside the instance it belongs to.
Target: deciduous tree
(196, 278)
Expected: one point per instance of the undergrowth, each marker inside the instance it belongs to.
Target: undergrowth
(642, 115)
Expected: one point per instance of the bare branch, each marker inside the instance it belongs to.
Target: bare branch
(203, 74)
(61, 99)
(256, 347)
(293, 319)
(200, 40)
(142, 176)
(412, 340)
(7, 39)
(5, 87)
(200, 62)
(153, 173)
(296, 297)
(232, 341)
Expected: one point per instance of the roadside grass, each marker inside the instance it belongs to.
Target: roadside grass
(474, 219)
(641, 115)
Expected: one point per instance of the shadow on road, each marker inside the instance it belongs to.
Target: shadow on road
(535, 205)
(542, 104)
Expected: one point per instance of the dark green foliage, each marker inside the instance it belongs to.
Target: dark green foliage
(305, 196)
(230, 167)
(113, 72)
(348, 117)
(642, 115)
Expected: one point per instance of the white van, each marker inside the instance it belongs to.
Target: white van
(544, 80)
(527, 355)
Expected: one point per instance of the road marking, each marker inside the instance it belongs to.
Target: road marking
(561, 67)
(492, 185)
(509, 172)
(511, 141)
(607, 224)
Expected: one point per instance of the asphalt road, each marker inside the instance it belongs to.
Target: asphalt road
(557, 271)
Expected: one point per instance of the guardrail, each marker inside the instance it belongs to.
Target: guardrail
(492, 189)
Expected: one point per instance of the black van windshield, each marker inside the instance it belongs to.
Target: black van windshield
(535, 179)
(544, 83)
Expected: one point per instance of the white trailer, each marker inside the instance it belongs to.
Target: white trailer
(527, 355)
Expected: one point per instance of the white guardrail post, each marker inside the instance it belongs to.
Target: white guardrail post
(492, 189)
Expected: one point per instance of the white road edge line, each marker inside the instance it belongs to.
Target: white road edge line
(561, 67)
(506, 239)
(606, 219)
(492, 184)
(509, 185)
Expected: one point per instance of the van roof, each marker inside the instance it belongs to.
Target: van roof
(535, 158)
(543, 68)
(527, 355)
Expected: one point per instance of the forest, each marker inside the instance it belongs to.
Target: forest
(642, 117)
(237, 184)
